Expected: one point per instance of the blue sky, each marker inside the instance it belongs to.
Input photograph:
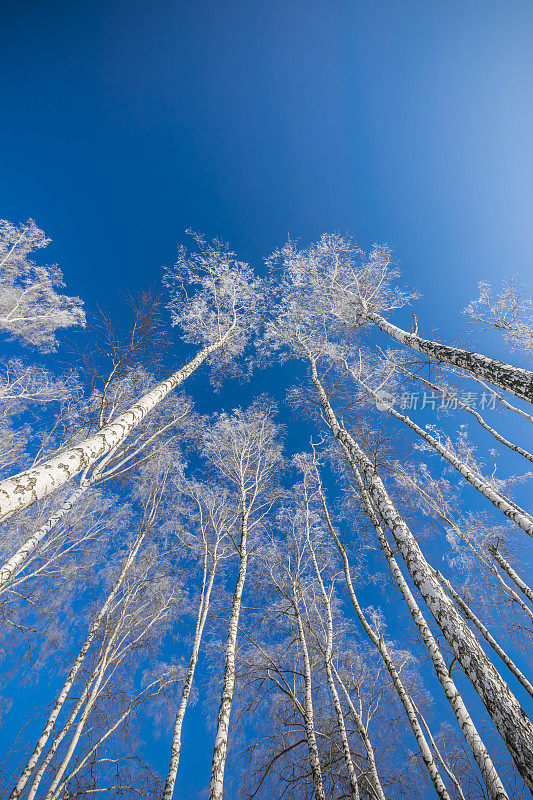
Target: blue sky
(126, 122)
(408, 122)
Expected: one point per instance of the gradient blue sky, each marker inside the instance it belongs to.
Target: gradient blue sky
(123, 123)
(407, 122)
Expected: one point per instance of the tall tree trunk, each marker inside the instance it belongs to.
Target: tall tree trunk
(381, 646)
(484, 424)
(512, 573)
(479, 751)
(502, 503)
(510, 719)
(27, 487)
(328, 657)
(469, 614)
(309, 719)
(515, 380)
(13, 565)
(445, 766)
(365, 738)
(41, 742)
(203, 608)
(216, 787)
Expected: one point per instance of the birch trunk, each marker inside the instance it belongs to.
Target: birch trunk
(510, 719)
(512, 573)
(350, 768)
(503, 504)
(365, 738)
(41, 742)
(27, 487)
(381, 646)
(479, 751)
(79, 729)
(482, 558)
(56, 743)
(216, 787)
(13, 565)
(469, 614)
(102, 739)
(203, 608)
(498, 436)
(446, 768)
(309, 720)
(515, 380)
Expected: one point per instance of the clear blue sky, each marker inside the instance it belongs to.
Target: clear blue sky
(123, 123)
(407, 122)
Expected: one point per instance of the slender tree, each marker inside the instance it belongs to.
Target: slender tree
(242, 448)
(220, 316)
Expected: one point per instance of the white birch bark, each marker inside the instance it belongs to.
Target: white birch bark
(510, 719)
(38, 775)
(515, 380)
(309, 720)
(328, 663)
(89, 696)
(203, 608)
(381, 646)
(512, 573)
(502, 503)
(41, 742)
(440, 509)
(442, 760)
(116, 650)
(479, 751)
(27, 487)
(365, 738)
(221, 738)
(144, 695)
(484, 424)
(469, 614)
(13, 565)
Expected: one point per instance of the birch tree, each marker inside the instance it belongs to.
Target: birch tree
(341, 286)
(211, 514)
(219, 316)
(243, 450)
(140, 602)
(99, 622)
(384, 650)
(294, 329)
(291, 667)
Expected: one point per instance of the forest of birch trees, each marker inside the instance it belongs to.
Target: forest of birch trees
(329, 585)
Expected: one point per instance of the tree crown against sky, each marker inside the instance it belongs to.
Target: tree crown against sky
(222, 502)
(30, 308)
